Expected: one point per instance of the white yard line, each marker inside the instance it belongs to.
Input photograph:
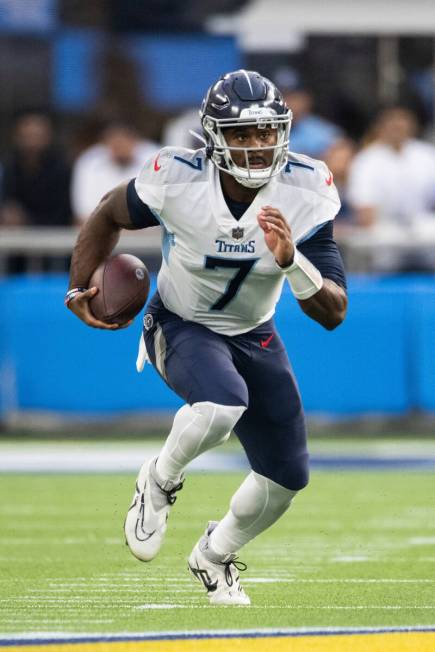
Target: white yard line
(101, 457)
(155, 584)
(272, 580)
(422, 541)
(350, 558)
(163, 606)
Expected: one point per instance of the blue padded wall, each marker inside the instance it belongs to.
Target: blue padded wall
(62, 365)
(361, 367)
(380, 361)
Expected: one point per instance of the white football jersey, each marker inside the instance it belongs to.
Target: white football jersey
(216, 270)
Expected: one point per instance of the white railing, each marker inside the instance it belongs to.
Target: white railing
(35, 243)
(362, 248)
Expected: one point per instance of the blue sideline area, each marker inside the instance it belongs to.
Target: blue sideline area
(380, 361)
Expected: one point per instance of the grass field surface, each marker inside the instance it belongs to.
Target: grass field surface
(355, 550)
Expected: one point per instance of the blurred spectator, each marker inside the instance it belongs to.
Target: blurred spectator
(177, 131)
(309, 134)
(118, 157)
(338, 157)
(393, 178)
(36, 177)
(392, 191)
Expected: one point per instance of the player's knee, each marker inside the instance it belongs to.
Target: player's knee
(219, 420)
(291, 473)
(294, 476)
(225, 418)
(304, 478)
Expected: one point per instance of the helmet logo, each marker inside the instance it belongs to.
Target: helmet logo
(260, 112)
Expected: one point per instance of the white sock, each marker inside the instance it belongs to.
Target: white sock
(256, 505)
(196, 428)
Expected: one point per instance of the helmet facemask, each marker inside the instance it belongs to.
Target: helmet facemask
(221, 154)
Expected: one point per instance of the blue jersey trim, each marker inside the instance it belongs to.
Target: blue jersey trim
(168, 241)
(168, 238)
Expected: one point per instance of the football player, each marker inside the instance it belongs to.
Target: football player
(239, 218)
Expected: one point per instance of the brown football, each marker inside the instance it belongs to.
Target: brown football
(123, 285)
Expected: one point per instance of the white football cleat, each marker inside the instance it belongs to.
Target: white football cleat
(219, 575)
(146, 520)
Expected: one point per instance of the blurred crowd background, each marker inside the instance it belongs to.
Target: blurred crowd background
(90, 89)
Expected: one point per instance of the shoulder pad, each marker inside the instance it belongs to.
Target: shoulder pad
(308, 173)
(181, 165)
(170, 167)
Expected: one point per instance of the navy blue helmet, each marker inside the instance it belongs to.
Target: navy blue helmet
(246, 98)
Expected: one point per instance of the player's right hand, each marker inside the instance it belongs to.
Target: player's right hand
(79, 305)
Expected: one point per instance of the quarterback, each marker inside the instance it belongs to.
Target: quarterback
(239, 218)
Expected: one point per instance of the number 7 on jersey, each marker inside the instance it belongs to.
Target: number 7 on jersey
(243, 267)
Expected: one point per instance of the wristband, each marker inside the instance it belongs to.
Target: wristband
(303, 277)
(72, 293)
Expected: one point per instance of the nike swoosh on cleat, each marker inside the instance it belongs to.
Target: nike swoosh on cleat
(156, 165)
(265, 343)
(329, 180)
(140, 520)
(147, 535)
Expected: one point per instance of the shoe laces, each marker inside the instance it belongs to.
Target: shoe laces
(170, 493)
(239, 565)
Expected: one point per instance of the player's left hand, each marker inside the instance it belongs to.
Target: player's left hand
(277, 234)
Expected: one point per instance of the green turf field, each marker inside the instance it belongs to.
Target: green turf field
(356, 549)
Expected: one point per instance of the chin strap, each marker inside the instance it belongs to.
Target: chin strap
(249, 182)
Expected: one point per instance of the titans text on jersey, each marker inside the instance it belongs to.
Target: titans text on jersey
(216, 270)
